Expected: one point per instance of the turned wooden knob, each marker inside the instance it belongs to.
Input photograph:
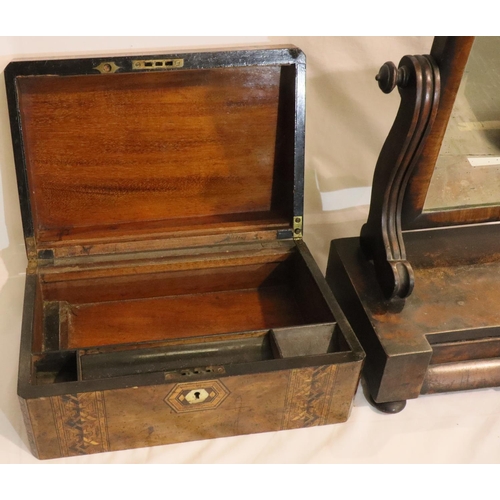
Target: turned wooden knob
(389, 76)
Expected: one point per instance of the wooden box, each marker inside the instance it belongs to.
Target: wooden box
(169, 294)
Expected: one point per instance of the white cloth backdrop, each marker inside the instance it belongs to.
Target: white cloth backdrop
(348, 119)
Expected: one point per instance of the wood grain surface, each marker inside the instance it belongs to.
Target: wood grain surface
(94, 422)
(103, 150)
(181, 316)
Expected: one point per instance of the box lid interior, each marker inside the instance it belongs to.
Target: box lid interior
(215, 145)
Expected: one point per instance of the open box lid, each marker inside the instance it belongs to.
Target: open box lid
(119, 153)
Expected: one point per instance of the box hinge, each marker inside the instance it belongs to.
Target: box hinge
(37, 258)
(297, 227)
(32, 266)
(32, 256)
(30, 248)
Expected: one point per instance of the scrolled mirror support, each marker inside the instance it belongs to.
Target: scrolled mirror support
(418, 82)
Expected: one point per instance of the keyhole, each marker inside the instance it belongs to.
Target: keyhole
(196, 396)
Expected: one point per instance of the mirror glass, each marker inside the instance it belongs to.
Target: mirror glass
(467, 172)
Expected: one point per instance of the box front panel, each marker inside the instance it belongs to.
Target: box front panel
(111, 420)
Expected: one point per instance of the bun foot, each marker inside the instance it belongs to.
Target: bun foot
(390, 407)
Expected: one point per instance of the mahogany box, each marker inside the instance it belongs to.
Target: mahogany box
(169, 294)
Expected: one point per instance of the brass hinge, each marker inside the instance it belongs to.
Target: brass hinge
(30, 248)
(32, 267)
(297, 227)
(32, 256)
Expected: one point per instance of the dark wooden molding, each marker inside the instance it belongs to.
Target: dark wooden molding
(418, 81)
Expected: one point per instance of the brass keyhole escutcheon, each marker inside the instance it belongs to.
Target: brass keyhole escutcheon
(107, 67)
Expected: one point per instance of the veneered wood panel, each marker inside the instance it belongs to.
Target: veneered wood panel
(103, 150)
(181, 316)
(342, 392)
(452, 352)
(93, 422)
(44, 438)
(255, 404)
(139, 286)
(173, 233)
(260, 402)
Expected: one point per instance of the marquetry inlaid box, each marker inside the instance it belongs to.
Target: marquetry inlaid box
(169, 294)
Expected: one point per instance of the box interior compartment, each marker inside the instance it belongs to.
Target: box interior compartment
(122, 324)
